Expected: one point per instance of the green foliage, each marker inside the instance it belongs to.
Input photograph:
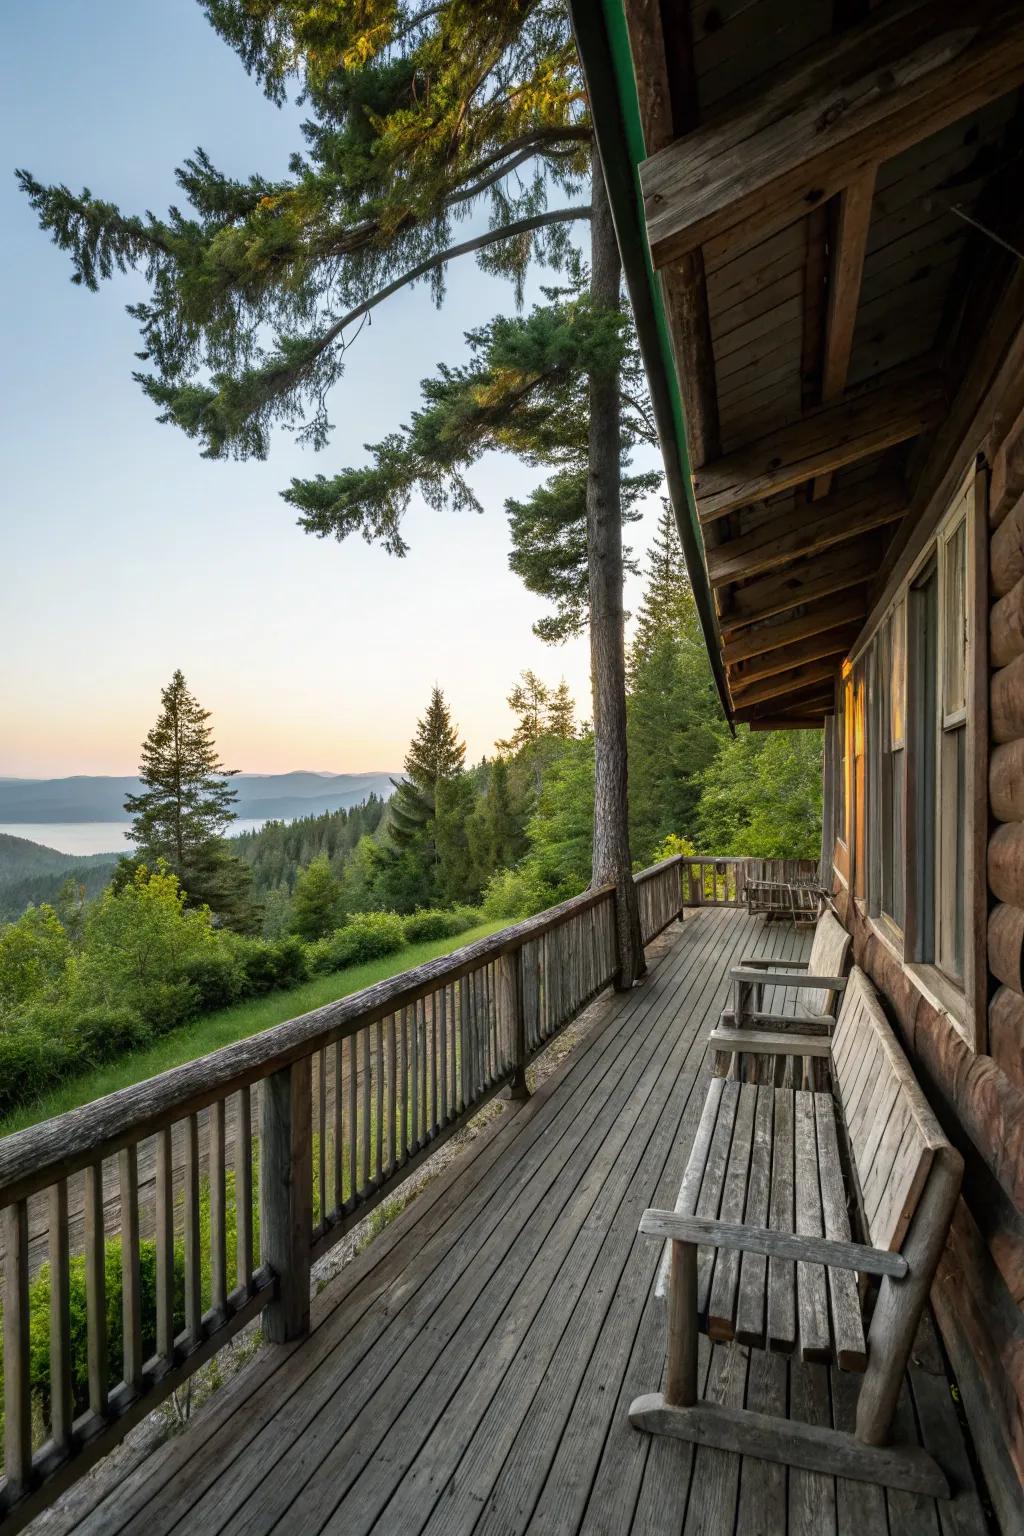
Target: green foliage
(34, 953)
(271, 963)
(512, 894)
(368, 936)
(316, 902)
(33, 875)
(762, 796)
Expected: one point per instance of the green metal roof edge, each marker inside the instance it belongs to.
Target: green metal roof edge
(602, 38)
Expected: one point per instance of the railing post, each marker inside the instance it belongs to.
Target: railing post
(510, 1008)
(286, 1197)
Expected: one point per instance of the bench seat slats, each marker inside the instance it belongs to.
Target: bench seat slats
(689, 1189)
(725, 1280)
(781, 1272)
(811, 1286)
(847, 1322)
(750, 1305)
(712, 1184)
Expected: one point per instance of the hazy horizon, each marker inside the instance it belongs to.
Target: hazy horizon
(129, 554)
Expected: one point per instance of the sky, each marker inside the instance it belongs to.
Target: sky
(124, 554)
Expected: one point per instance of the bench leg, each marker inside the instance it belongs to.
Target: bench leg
(794, 1444)
(681, 1364)
(900, 1303)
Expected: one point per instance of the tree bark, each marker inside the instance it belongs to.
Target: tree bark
(612, 862)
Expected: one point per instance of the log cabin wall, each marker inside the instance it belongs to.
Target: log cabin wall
(830, 208)
(976, 1087)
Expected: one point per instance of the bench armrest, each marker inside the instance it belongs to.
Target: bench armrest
(781, 1245)
(780, 978)
(779, 1023)
(765, 1042)
(773, 965)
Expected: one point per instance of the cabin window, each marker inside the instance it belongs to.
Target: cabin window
(893, 789)
(859, 781)
(951, 750)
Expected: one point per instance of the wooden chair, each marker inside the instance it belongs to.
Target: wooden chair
(819, 981)
(761, 1251)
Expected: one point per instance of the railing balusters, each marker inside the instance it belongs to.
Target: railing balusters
(131, 1279)
(95, 1291)
(353, 1101)
(17, 1386)
(164, 1220)
(367, 1117)
(395, 1142)
(414, 1024)
(60, 1316)
(218, 1210)
(444, 1055)
(378, 1169)
(321, 1125)
(338, 1165)
(243, 1190)
(193, 1261)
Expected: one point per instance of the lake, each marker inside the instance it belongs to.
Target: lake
(90, 836)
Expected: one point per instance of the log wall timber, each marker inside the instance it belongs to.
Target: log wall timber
(1006, 627)
(1006, 945)
(1007, 701)
(1006, 863)
(1006, 781)
(1006, 551)
(823, 440)
(1005, 1033)
(858, 98)
(979, 1288)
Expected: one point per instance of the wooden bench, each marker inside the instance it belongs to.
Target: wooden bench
(763, 1250)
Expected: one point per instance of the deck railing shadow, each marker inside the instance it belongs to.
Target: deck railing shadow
(308, 1125)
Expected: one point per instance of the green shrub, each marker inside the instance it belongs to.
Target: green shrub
(368, 936)
(216, 978)
(516, 893)
(33, 1054)
(434, 924)
(102, 1033)
(267, 964)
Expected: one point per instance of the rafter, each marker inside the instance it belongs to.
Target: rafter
(856, 99)
(834, 571)
(796, 533)
(820, 616)
(846, 272)
(823, 440)
(783, 682)
(832, 642)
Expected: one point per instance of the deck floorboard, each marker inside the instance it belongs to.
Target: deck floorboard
(471, 1370)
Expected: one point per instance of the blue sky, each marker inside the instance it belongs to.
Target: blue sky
(125, 554)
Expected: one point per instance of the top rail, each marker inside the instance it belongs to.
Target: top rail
(32, 1159)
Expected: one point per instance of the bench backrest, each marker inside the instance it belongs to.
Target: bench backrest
(892, 1132)
(830, 955)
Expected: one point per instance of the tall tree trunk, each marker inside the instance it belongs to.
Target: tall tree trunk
(612, 861)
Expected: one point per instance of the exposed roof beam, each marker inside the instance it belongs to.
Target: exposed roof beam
(856, 99)
(766, 638)
(789, 535)
(807, 701)
(784, 682)
(824, 440)
(832, 642)
(790, 722)
(834, 571)
(846, 271)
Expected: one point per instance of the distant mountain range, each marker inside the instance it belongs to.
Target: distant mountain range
(261, 796)
(30, 872)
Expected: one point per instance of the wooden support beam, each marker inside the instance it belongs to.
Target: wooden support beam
(782, 683)
(791, 535)
(823, 440)
(856, 99)
(834, 571)
(808, 699)
(788, 722)
(831, 642)
(846, 271)
(819, 617)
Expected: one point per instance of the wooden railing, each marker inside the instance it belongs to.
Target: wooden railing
(714, 882)
(327, 1113)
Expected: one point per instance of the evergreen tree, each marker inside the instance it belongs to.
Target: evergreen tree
(560, 719)
(495, 831)
(316, 904)
(435, 754)
(528, 700)
(187, 804)
(676, 726)
(421, 116)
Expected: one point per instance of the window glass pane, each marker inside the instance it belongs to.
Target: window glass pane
(896, 903)
(898, 675)
(954, 621)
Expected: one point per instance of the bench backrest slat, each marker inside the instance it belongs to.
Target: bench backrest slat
(892, 1132)
(830, 954)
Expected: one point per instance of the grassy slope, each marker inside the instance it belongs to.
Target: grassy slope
(216, 1029)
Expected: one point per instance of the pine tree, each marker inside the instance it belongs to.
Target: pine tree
(421, 116)
(676, 727)
(435, 754)
(560, 719)
(187, 804)
(316, 904)
(529, 701)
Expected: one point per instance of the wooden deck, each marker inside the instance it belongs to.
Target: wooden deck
(471, 1370)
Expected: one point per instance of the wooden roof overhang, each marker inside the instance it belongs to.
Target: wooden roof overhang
(828, 200)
